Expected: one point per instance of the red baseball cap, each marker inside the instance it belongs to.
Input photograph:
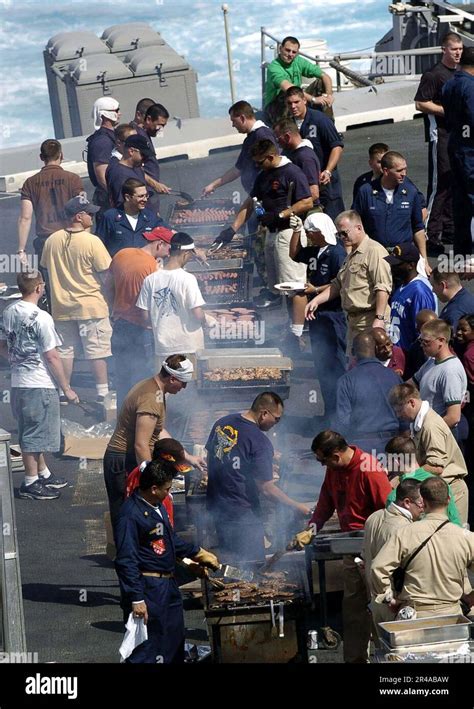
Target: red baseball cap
(159, 232)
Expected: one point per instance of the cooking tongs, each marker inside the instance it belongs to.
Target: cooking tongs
(184, 195)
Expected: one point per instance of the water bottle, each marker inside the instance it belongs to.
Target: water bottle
(258, 207)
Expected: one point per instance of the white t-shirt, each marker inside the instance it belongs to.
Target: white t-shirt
(388, 196)
(169, 296)
(133, 221)
(29, 332)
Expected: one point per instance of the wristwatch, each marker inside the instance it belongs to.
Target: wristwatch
(328, 172)
(380, 317)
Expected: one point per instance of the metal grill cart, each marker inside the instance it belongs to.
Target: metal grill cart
(436, 639)
(230, 373)
(324, 548)
(249, 629)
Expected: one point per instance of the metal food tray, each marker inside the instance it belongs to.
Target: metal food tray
(440, 649)
(200, 204)
(245, 357)
(340, 542)
(424, 631)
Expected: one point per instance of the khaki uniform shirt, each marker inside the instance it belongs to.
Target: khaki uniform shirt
(363, 272)
(436, 445)
(378, 529)
(437, 575)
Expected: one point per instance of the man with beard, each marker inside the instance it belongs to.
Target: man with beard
(156, 118)
(413, 293)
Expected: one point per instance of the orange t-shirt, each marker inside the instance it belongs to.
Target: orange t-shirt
(127, 272)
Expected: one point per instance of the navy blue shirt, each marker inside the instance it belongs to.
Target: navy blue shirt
(151, 165)
(245, 163)
(323, 268)
(389, 224)
(306, 159)
(362, 399)
(271, 187)
(458, 103)
(115, 175)
(99, 150)
(239, 455)
(322, 133)
(117, 233)
(368, 177)
(145, 541)
(461, 304)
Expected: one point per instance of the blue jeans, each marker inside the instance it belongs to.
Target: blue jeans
(132, 349)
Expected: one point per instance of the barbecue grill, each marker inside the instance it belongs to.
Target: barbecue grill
(195, 218)
(231, 360)
(235, 332)
(266, 630)
(224, 282)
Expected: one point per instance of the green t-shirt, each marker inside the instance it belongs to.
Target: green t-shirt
(420, 474)
(278, 71)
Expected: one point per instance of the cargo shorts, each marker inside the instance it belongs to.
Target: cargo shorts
(90, 338)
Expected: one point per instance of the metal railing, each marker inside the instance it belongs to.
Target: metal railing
(334, 60)
(12, 628)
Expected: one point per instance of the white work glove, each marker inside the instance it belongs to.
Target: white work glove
(295, 223)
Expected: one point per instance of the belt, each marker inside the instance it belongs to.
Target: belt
(159, 574)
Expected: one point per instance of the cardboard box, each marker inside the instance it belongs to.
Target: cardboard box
(79, 442)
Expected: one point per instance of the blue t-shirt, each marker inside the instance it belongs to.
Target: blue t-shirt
(461, 304)
(322, 133)
(239, 455)
(406, 303)
(271, 187)
(245, 163)
(306, 159)
(115, 176)
(99, 150)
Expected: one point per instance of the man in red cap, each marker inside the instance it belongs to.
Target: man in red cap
(132, 344)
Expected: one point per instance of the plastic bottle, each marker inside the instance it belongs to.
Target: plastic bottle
(258, 207)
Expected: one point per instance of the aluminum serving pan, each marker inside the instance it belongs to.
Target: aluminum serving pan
(423, 631)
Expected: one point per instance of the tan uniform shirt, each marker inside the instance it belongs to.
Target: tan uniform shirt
(437, 575)
(73, 260)
(363, 272)
(378, 529)
(144, 398)
(436, 445)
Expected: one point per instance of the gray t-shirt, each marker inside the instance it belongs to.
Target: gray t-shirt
(442, 384)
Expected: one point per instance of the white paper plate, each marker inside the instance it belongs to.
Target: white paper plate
(290, 287)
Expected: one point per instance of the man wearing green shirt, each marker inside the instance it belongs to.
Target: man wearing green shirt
(288, 70)
(402, 462)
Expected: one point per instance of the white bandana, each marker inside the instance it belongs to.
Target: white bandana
(184, 373)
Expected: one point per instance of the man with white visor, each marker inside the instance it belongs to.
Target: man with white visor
(323, 255)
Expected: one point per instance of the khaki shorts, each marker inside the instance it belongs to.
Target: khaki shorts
(88, 337)
(280, 267)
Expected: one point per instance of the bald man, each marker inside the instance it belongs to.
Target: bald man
(362, 407)
(389, 354)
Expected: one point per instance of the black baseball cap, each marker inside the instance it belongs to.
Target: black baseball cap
(182, 242)
(140, 143)
(403, 253)
(79, 204)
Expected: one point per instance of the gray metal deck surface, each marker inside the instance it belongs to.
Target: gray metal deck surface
(70, 589)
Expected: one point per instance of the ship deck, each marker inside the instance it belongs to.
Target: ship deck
(70, 591)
